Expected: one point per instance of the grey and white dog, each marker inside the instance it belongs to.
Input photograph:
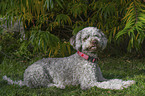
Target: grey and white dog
(79, 68)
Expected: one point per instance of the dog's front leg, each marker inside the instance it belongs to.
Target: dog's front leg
(87, 79)
(99, 75)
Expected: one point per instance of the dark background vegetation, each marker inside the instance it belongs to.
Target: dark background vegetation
(49, 24)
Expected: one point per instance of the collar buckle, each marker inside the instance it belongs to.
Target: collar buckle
(91, 59)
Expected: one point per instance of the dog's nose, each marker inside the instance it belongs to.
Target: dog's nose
(94, 42)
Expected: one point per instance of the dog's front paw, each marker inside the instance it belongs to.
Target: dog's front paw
(128, 83)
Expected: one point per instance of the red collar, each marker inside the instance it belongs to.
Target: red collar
(89, 58)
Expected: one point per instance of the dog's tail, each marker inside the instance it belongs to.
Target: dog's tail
(10, 81)
(116, 84)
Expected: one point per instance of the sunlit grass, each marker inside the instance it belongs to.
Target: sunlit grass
(122, 68)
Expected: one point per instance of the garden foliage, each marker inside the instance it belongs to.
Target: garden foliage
(50, 23)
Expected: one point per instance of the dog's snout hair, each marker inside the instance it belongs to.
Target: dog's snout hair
(86, 37)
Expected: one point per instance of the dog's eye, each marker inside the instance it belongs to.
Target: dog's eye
(96, 35)
(84, 39)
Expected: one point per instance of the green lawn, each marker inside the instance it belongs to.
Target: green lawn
(122, 68)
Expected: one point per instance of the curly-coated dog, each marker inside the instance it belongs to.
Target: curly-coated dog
(78, 69)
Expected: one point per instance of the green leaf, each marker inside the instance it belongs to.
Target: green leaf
(0, 48)
(63, 19)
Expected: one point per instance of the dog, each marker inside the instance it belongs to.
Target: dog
(80, 68)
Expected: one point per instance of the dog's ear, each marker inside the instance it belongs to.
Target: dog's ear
(78, 46)
(104, 41)
(75, 41)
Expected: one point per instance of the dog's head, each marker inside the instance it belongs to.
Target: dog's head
(89, 39)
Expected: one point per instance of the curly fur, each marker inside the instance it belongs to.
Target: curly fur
(72, 70)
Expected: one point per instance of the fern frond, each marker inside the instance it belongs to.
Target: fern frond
(134, 19)
(43, 40)
(79, 8)
(63, 19)
(77, 29)
(49, 4)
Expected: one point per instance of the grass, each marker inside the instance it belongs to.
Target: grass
(121, 67)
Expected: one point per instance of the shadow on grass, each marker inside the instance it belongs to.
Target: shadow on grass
(3, 84)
